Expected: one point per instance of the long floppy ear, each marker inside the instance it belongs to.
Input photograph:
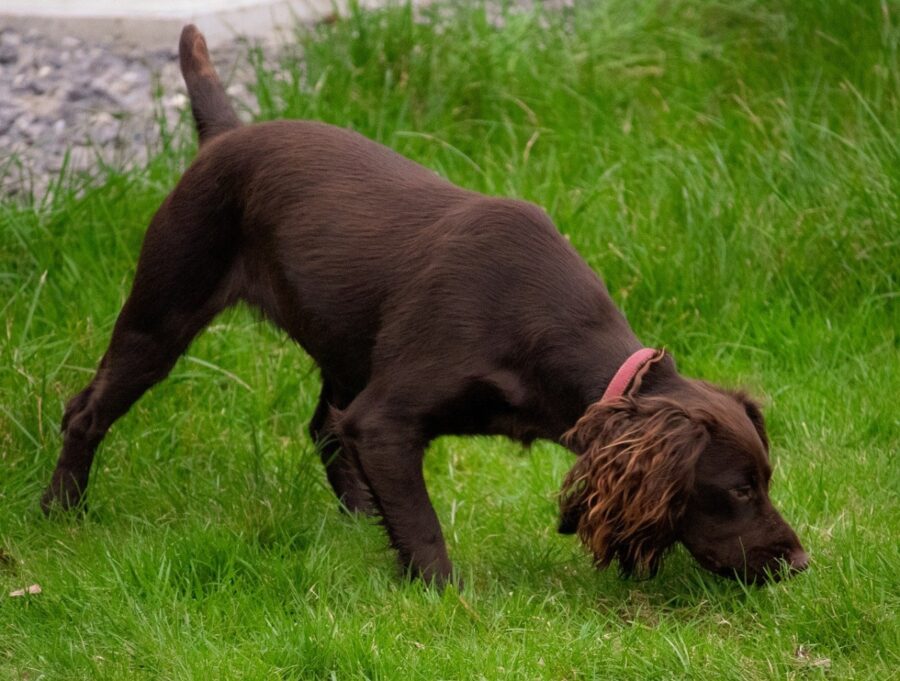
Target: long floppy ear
(628, 488)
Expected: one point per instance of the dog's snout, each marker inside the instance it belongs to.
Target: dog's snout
(788, 563)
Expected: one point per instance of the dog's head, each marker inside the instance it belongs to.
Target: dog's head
(691, 467)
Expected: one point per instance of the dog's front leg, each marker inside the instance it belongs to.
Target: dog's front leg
(390, 452)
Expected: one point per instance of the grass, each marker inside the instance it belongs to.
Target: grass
(732, 171)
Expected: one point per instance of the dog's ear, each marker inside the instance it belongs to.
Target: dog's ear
(754, 413)
(629, 486)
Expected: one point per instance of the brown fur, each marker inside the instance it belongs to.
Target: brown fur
(430, 310)
(632, 478)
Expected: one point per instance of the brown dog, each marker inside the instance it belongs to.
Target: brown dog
(430, 310)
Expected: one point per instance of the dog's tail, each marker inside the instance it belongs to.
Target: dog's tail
(212, 111)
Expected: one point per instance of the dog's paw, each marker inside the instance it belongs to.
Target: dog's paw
(64, 493)
(437, 577)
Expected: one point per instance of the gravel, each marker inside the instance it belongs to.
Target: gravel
(85, 105)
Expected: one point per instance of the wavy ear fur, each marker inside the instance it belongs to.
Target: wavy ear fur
(627, 491)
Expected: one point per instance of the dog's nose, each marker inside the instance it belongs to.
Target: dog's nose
(798, 559)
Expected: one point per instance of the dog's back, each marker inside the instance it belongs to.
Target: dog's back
(343, 239)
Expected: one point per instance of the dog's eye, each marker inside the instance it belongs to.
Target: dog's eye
(742, 493)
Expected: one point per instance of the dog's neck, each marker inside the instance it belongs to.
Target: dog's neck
(661, 377)
(628, 376)
(581, 372)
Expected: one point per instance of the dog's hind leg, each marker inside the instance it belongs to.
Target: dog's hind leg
(181, 283)
(345, 480)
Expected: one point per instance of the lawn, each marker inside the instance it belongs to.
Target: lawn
(730, 169)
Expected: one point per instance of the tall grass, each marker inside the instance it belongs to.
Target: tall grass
(730, 169)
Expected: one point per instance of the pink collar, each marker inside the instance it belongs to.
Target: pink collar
(626, 373)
